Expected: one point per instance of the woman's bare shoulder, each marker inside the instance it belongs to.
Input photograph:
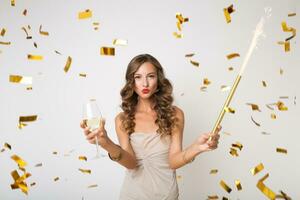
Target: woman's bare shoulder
(119, 117)
(178, 112)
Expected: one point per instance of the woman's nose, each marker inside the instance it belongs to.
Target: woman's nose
(145, 82)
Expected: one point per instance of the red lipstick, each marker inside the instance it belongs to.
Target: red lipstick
(145, 91)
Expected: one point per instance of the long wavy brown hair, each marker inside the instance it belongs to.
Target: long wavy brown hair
(162, 98)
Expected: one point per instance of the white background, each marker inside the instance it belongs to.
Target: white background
(57, 97)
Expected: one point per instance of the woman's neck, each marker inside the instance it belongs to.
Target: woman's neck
(144, 105)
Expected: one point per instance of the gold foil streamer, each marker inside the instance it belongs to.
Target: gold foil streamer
(230, 68)
(6, 145)
(57, 52)
(181, 19)
(27, 35)
(254, 106)
(68, 64)
(85, 14)
(225, 186)
(56, 179)
(237, 145)
(82, 74)
(20, 79)
(233, 152)
(29, 88)
(12, 2)
(82, 158)
(257, 124)
(281, 106)
(213, 197)
(32, 184)
(230, 110)
(35, 45)
(189, 55)
(25, 12)
(283, 196)
(227, 11)
(287, 46)
(283, 97)
(194, 63)
(5, 43)
(120, 42)
(3, 31)
(43, 32)
(178, 35)
(264, 83)
(291, 14)
(85, 171)
(34, 57)
(238, 184)
(264, 189)
(233, 55)
(29, 118)
(273, 116)
(39, 165)
(54, 152)
(96, 25)
(285, 28)
(206, 81)
(19, 181)
(19, 161)
(281, 150)
(257, 169)
(213, 171)
(92, 186)
(107, 51)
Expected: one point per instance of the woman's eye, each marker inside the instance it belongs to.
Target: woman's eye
(152, 76)
(137, 77)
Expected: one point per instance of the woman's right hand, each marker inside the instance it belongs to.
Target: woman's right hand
(100, 133)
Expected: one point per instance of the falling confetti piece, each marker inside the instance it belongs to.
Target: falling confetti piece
(189, 55)
(287, 45)
(92, 186)
(19, 161)
(285, 28)
(178, 35)
(281, 150)
(56, 179)
(291, 14)
(32, 184)
(213, 171)
(283, 97)
(3, 31)
(29, 88)
(54, 152)
(120, 42)
(295, 100)
(12, 2)
(25, 12)
(264, 189)
(27, 35)
(264, 83)
(225, 186)
(107, 51)
(19, 181)
(273, 116)
(85, 171)
(34, 57)
(85, 14)
(257, 169)
(57, 52)
(206, 81)
(281, 71)
(225, 88)
(237, 145)
(233, 55)
(82, 75)
(257, 124)
(230, 110)
(238, 184)
(230, 68)
(96, 25)
(265, 133)
(5, 43)
(20, 79)
(194, 63)
(43, 32)
(82, 158)
(233, 152)
(29, 118)
(203, 88)
(213, 197)
(281, 106)
(254, 106)
(227, 11)
(8, 146)
(226, 133)
(39, 165)
(68, 64)
(283, 196)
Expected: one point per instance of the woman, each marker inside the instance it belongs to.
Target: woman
(150, 132)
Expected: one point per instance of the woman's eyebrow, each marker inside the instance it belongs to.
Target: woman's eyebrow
(147, 74)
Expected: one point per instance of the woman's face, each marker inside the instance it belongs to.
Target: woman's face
(145, 80)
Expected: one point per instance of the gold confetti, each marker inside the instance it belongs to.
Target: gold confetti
(281, 71)
(32, 184)
(287, 46)
(19, 161)
(203, 88)
(257, 169)
(213, 197)
(35, 45)
(281, 106)
(85, 171)
(120, 42)
(238, 184)
(43, 32)
(82, 158)
(20, 79)
(3, 31)
(181, 19)
(254, 106)
(6, 145)
(285, 28)
(57, 52)
(265, 133)
(5, 43)
(291, 14)
(237, 145)
(264, 189)
(54, 152)
(283, 97)
(92, 186)
(257, 124)
(233, 55)
(230, 68)
(227, 11)
(295, 100)
(206, 81)
(96, 25)
(82, 74)
(56, 179)
(178, 35)
(25, 12)
(225, 88)
(68, 64)
(39, 165)
(225, 186)
(29, 88)
(19, 181)
(264, 83)
(21, 125)
(224, 198)
(27, 35)
(194, 63)
(273, 116)
(189, 55)
(281, 150)
(213, 171)
(12, 2)
(283, 196)
(85, 14)
(233, 152)
(107, 51)
(226, 133)
(34, 57)
(29, 118)
(230, 110)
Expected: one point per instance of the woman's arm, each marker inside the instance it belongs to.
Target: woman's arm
(179, 157)
(122, 154)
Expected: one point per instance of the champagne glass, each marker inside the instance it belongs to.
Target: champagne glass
(92, 117)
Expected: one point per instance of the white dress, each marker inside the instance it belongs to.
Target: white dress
(152, 179)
